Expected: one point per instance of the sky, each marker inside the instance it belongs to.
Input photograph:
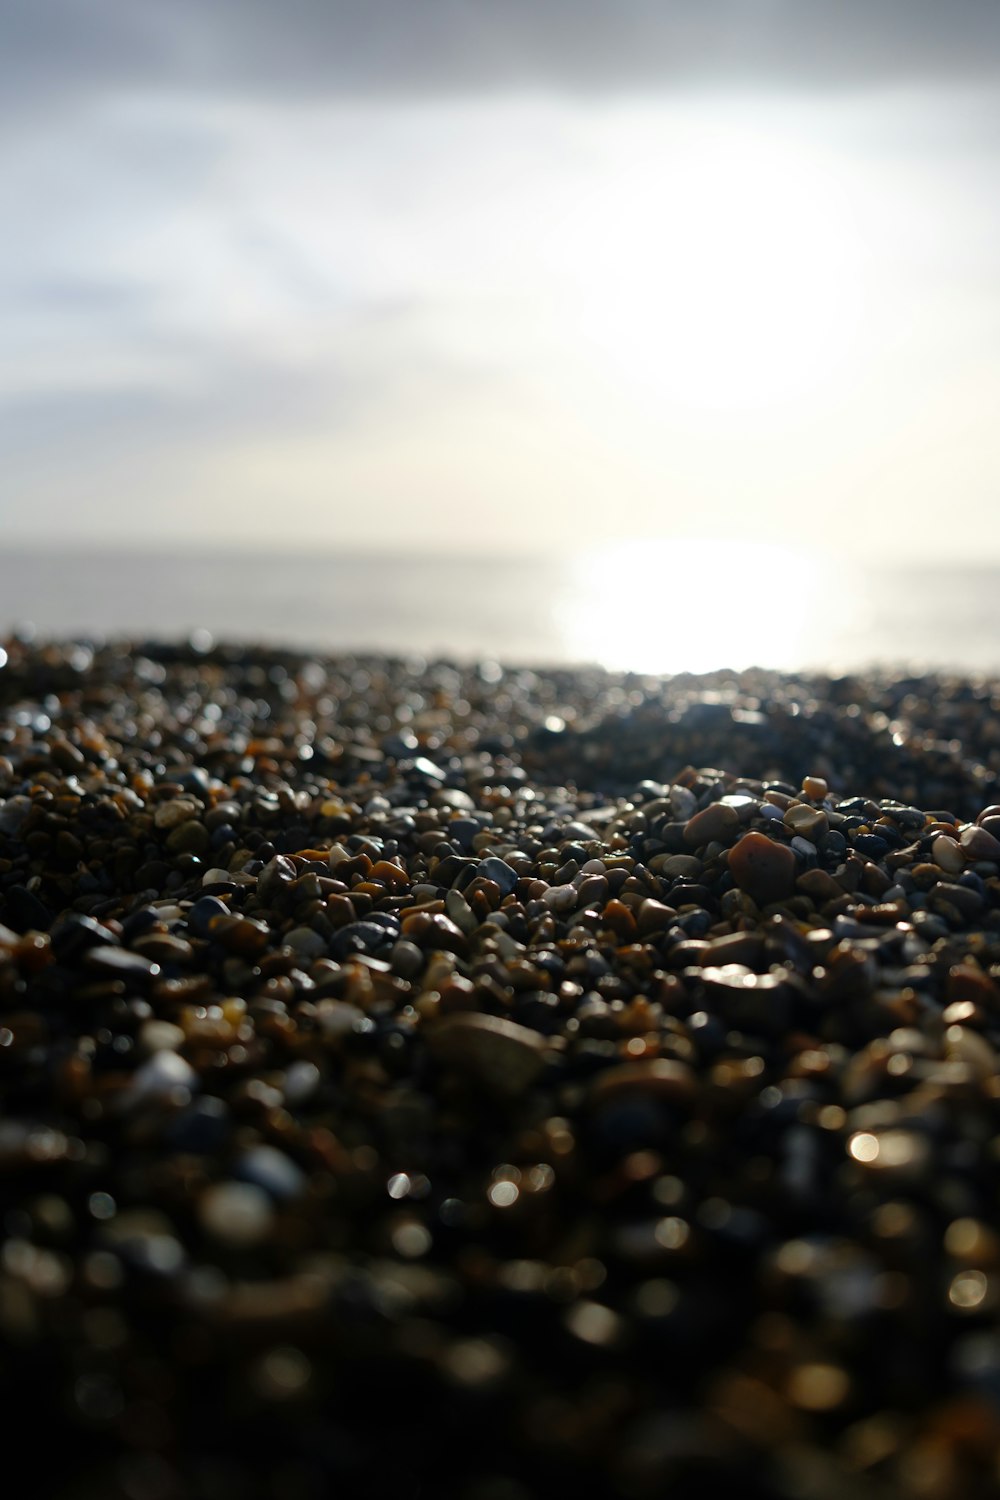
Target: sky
(515, 275)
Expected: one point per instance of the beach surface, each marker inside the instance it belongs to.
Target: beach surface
(474, 1082)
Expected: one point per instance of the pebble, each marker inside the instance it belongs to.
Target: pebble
(616, 1056)
(948, 854)
(715, 822)
(160, 1036)
(978, 844)
(500, 873)
(160, 1078)
(499, 1054)
(236, 1213)
(561, 897)
(270, 1169)
(807, 822)
(683, 802)
(763, 868)
(304, 941)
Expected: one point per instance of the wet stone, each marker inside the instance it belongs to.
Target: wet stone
(500, 873)
(806, 822)
(948, 854)
(763, 868)
(978, 844)
(203, 913)
(715, 822)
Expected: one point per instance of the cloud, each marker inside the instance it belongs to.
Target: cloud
(56, 53)
(263, 257)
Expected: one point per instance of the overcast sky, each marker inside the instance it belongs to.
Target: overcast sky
(500, 273)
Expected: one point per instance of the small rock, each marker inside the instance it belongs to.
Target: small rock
(268, 1168)
(763, 868)
(806, 822)
(236, 1213)
(160, 1036)
(157, 1079)
(500, 873)
(682, 801)
(502, 1055)
(978, 844)
(661, 1077)
(947, 854)
(561, 897)
(681, 867)
(301, 1081)
(178, 810)
(716, 822)
(305, 942)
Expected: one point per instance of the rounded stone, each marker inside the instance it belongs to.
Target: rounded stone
(763, 868)
(947, 854)
(715, 823)
(236, 1213)
(978, 844)
(502, 1055)
(806, 822)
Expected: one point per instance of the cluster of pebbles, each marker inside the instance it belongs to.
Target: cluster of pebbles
(486, 1084)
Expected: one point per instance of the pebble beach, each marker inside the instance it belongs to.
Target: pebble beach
(466, 1082)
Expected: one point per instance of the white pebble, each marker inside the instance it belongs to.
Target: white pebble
(160, 1036)
(159, 1077)
(561, 897)
(682, 801)
(947, 854)
(301, 1081)
(238, 1213)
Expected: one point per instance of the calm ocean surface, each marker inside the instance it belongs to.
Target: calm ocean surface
(655, 607)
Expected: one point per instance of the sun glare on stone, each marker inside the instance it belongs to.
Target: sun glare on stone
(658, 605)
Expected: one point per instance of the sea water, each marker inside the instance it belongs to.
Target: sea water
(666, 611)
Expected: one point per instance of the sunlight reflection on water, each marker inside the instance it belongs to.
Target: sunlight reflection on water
(690, 606)
(645, 605)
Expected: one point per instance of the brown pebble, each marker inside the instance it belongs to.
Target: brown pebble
(502, 1055)
(717, 822)
(66, 756)
(763, 868)
(241, 935)
(662, 1077)
(819, 886)
(968, 982)
(736, 948)
(978, 844)
(654, 916)
(807, 822)
(178, 810)
(617, 916)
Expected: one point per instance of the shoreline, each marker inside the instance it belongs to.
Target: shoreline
(499, 1080)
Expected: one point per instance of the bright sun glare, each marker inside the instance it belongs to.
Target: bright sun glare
(719, 270)
(765, 604)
